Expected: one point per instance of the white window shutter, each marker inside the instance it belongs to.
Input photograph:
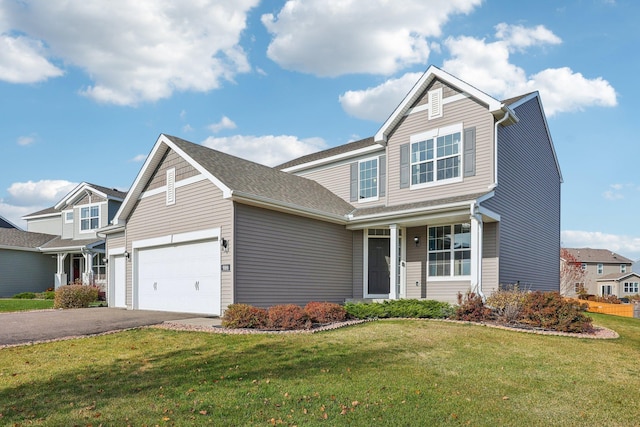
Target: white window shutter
(435, 103)
(171, 186)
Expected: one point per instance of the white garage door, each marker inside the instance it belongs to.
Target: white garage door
(183, 278)
(118, 283)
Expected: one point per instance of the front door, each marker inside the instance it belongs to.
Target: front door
(77, 267)
(606, 290)
(379, 262)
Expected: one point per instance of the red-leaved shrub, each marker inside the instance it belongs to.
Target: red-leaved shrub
(471, 308)
(288, 316)
(244, 316)
(325, 312)
(549, 310)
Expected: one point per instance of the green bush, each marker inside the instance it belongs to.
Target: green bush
(408, 308)
(75, 296)
(288, 316)
(48, 295)
(325, 312)
(25, 295)
(549, 310)
(244, 316)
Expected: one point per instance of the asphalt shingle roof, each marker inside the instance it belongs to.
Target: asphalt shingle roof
(59, 242)
(345, 148)
(244, 177)
(23, 239)
(603, 256)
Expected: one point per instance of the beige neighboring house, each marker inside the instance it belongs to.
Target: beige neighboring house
(605, 272)
(456, 191)
(78, 251)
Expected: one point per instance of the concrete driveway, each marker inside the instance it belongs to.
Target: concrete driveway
(44, 325)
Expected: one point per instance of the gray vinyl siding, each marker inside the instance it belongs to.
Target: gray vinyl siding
(25, 271)
(358, 264)
(198, 206)
(113, 207)
(528, 201)
(416, 263)
(104, 212)
(48, 225)
(68, 227)
(465, 111)
(282, 258)
(490, 260)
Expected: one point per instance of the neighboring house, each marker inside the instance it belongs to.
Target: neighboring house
(602, 268)
(5, 223)
(457, 191)
(23, 268)
(620, 284)
(78, 250)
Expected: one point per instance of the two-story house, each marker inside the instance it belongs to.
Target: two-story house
(78, 250)
(604, 273)
(456, 191)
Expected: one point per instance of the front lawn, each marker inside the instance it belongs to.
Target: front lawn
(9, 304)
(392, 372)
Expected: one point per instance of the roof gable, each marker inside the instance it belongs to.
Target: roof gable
(84, 187)
(604, 256)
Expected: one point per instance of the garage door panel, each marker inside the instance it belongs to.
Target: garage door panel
(184, 278)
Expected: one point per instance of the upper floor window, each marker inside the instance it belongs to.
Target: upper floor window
(600, 268)
(368, 179)
(89, 218)
(450, 253)
(68, 217)
(623, 268)
(436, 156)
(584, 266)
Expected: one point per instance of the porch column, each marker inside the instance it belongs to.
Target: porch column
(87, 274)
(476, 253)
(60, 278)
(393, 262)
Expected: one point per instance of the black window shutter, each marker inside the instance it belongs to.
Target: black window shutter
(404, 166)
(354, 182)
(470, 152)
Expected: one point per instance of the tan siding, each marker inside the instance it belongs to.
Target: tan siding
(171, 160)
(90, 199)
(282, 258)
(115, 240)
(416, 262)
(447, 91)
(591, 276)
(198, 206)
(50, 225)
(447, 291)
(490, 258)
(470, 114)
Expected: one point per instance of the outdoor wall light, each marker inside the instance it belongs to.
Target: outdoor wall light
(126, 254)
(417, 240)
(225, 244)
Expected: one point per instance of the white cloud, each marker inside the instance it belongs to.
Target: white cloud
(187, 128)
(43, 193)
(26, 140)
(224, 123)
(617, 191)
(139, 158)
(134, 51)
(377, 103)
(486, 65)
(22, 61)
(268, 150)
(331, 38)
(628, 246)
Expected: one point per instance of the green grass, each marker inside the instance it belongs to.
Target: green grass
(8, 304)
(384, 373)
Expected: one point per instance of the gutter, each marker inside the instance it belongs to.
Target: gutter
(508, 114)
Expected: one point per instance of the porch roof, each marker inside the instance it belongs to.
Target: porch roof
(59, 244)
(616, 277)
(14, 238)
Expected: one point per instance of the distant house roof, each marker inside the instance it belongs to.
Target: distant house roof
(617, 277)
(603, 256)
(14, 238)
(5, 223)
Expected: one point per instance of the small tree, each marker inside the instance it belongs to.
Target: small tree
(570, 272)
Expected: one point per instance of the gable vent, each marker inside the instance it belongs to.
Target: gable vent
(435, 103)
(171, 186)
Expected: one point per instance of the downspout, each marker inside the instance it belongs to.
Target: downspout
(495, 150)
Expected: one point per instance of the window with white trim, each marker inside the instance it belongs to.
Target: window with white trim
(99, 267)
(600, 269)
(584, 266)
(450, 252)
(436, 156)
(89, 218)
(68, 217)
(631, 287)
(579, 288)
(623, 268)
(368, 179)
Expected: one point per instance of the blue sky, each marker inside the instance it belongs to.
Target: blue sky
(87, 86)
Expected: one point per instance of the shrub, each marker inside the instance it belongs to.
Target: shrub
(409, 308)
(25, 295)
(471, 308)
(506, 304)
(365, 310)
(325, 312)
(48, 295)
(244, 316)
(75, 296)
(288, 316)
(549, 310)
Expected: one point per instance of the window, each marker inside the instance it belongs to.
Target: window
(89, 218)
(450, 254)
(600, 269)
(623, 268)
(99, 267)
(435, 156)
(368, 179)
(631, 287)
(584, 266)
(68, 217)
(579, 288)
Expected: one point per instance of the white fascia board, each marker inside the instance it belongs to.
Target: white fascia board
(42, 216)
(423, 218)
(192, 236)
(275, 205)
(489, 214)
(422, 83)
(337, 157)
(76, 192)
(414, 211)
(19, 248)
